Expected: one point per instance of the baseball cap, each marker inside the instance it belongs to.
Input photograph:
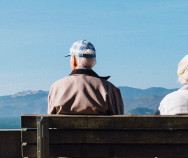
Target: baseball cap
(79, 48)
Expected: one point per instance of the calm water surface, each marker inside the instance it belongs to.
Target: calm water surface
(10, 123)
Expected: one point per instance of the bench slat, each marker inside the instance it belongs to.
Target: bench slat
(111, 136)
(109, 122)
(114, 150)
(107, 136)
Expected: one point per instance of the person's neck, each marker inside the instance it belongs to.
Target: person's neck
(83, 68)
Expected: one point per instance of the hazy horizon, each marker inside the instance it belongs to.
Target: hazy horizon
(36, 90)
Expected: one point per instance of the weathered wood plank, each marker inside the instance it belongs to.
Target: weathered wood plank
(42, 137)
(114, 150)
(111, 136)
(29, 150)
(109, 122)
(29, 136)
(119, 123)
(28, 122)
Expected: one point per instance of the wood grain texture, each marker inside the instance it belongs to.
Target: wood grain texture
(112, 150)
(108, 122)
(111, 136)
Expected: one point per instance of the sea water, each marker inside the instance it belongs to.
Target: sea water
(10, 123)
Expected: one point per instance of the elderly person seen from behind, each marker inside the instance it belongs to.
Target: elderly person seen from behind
(177, 102)
(83, 91)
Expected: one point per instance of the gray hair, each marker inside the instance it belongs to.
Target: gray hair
(183, 71)
(86, 62)
(182, 80)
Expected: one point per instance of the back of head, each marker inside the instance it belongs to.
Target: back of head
(183, 71)
(86, 62)
(84, 52)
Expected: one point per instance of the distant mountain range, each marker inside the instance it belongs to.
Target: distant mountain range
(143, 101)
(27, 102)
(137, 101)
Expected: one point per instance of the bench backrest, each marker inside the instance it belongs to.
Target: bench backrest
(104, 136)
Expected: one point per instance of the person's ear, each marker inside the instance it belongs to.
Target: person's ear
(75, 62)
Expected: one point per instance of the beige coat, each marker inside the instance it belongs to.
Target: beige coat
(84, 92)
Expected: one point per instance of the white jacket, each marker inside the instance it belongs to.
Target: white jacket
(174, 103)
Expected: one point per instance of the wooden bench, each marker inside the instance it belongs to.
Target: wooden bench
(45, 136)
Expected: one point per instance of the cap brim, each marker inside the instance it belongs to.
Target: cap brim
(68, 55)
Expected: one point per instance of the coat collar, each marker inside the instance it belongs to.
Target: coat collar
(185, 87)
(88, 72)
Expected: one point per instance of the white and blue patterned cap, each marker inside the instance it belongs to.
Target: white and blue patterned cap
(79, 48)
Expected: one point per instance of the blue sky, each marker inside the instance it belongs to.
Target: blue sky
(139, 43)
